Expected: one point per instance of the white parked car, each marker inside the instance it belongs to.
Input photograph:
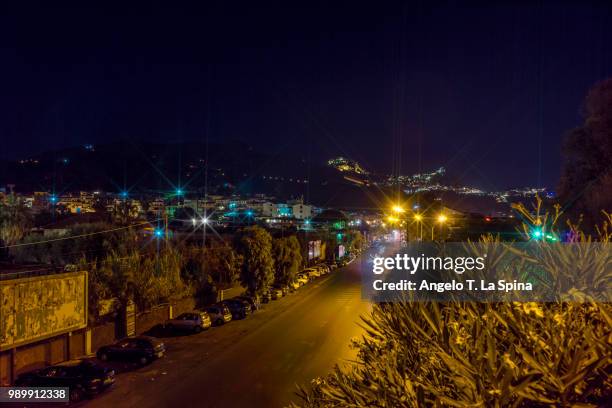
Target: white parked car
(312, 273)
(323, 268)
(302, 278)
(219, 314)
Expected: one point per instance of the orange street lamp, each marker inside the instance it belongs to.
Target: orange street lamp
(392, 219)
(419, 218)
(398, 209)
(441, 219)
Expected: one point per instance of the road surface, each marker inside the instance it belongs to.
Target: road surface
(255, 362)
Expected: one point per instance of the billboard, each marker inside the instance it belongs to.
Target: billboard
(36, 308)
(341, 251)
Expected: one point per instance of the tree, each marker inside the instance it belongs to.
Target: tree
(287, 259)
(125, 212)
(254, 244)
(15, 220)
(585, 187)
(94, 242)
(357, 241)
(331, 244)
(146, 279)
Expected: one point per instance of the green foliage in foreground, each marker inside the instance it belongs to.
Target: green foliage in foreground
(470, 354)
(476, 354)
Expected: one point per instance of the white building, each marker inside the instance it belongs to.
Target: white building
(302, 211)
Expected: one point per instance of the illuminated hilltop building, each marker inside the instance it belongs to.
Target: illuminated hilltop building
(345, 165)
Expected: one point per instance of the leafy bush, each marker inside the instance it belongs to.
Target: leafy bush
(476, 354)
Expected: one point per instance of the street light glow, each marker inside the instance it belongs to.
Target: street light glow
(398, 209)
(442, 218)
(392, 218)
(418, 217)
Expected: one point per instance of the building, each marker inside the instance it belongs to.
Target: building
(301, 211)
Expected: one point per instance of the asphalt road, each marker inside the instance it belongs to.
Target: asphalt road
(255, 362)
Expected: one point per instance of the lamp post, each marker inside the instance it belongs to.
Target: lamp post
(441, 219)
(419, 219)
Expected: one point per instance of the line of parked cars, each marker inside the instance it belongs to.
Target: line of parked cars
(86, 377)
(302, 278)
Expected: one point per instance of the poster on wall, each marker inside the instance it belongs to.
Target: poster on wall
(36, 308)
(314, 249)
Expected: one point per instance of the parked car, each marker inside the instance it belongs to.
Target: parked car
(312, 273)
(323, 269)
(302, 278)
(194, 321)
(240, 309)
(219, 314)
(252, 300)
(341, 262)
(83, 378)
(295, 285)
(141, 349)
(326, 268)
(276, 293)
(266, 296)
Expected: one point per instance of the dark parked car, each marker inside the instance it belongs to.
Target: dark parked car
(251, 300)
(239, 308)
(266, 297)
(84, 378)
(141, 349)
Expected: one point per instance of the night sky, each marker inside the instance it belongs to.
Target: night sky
(485, 90)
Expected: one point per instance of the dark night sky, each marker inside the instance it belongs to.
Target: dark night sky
(485, 90)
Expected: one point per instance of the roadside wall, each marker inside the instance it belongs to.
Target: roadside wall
(80, 343)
